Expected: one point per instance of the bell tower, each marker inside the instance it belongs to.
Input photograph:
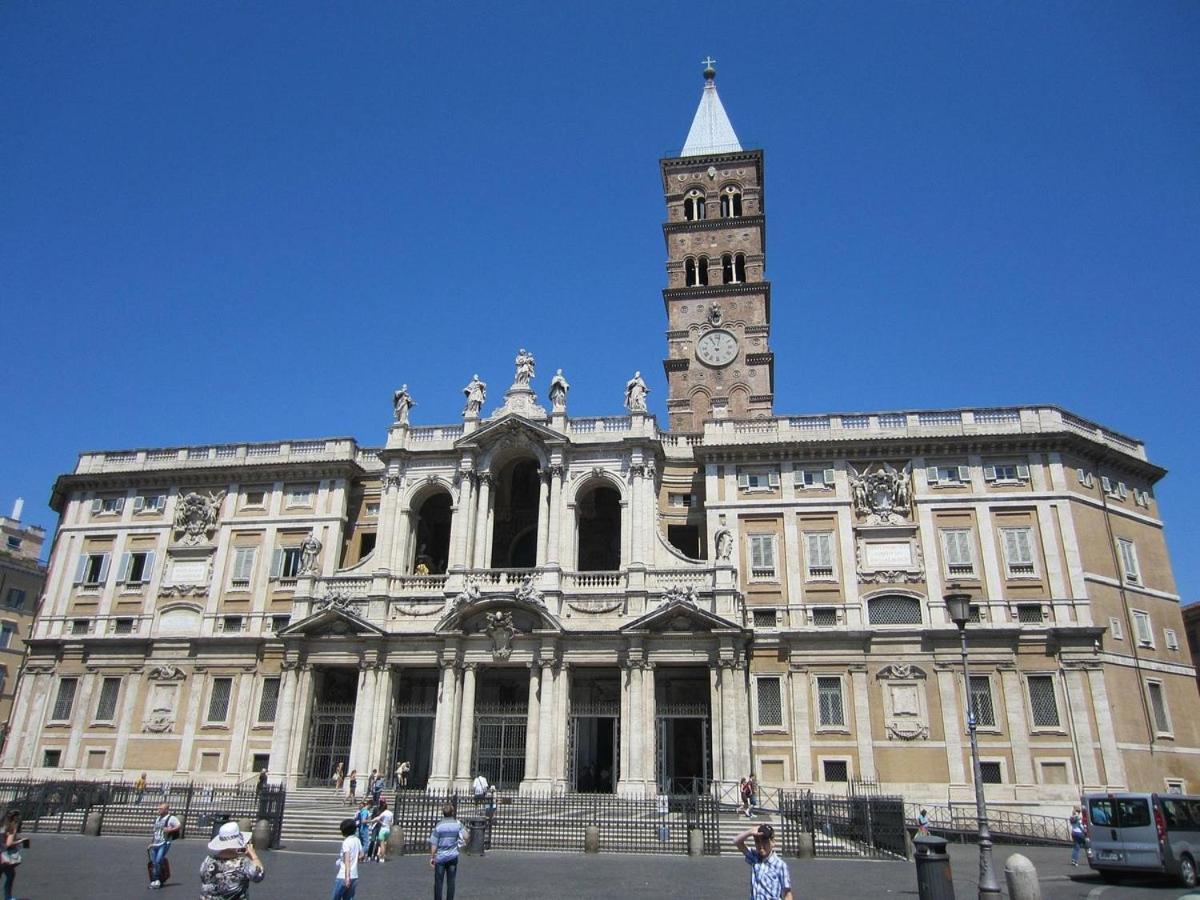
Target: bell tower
(717, 300)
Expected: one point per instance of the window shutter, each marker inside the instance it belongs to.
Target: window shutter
(139, 503)
(97, 505)
(964, 474)
(80, 567)
(1105, 483)
(276, 562)
(989, 473)
(1023, 472)
(931, 474)
(828, 477)
(160, 502)
(105, 559)
(773, 479)
(1081, 475)
(1122, 490)
(120, 504)
(148, 566)
(123, 571)
(744, 480)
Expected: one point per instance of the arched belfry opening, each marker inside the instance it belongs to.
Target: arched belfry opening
(598, 513)
(431, 548)
(514, 538)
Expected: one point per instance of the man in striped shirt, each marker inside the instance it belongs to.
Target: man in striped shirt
(769, 878)
(447, 836)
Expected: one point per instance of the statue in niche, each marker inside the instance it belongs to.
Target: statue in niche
(402, 402)
(310, 555)
(525, 363)
(500, 628)
(558, 391)
(196, 516)
(723, 543)
(635, 393)
(476, 393)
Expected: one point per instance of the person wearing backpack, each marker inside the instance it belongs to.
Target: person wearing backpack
(10, 852)
(166, 828)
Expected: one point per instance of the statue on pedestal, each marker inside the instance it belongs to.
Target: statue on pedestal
(558, 391)
(476, 393)
(525, 364)
(635, 393)
(402, 402)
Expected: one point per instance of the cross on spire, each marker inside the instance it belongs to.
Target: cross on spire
(708, 62)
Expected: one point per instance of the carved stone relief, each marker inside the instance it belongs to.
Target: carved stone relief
(882, 497)
(196, 517)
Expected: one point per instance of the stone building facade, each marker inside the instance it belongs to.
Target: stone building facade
(22, 577)
(595, 604)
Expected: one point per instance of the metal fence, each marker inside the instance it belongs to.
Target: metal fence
(558, 822)
(63, 806)
(852, 826)
(959, 822)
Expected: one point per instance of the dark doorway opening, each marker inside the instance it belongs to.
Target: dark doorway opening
(594, 751)
(414, 710)
(331, 723)
(685, 539)
(501, 714)
(514, 538)
(682, 736)
(433, 535)
(599, 515)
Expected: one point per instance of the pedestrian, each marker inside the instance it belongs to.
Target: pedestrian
(377, 787)
(346, 882)
(370, 787)
(362, 817)
(447, 836)
(1078, 835)
(405, 768)
(230, 866)
(479, 787)
(353, 785)
(382, 822)
(753, 792)
(339, 776)
(139, 788)
(744, 795)
(10, 852)
(769, 877)
(923, 822)
(262, 781)
(166, 828)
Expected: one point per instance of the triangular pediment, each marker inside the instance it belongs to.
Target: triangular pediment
(332, 621)
(508, 427)
(681, 617)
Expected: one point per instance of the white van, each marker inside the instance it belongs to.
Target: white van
(1140, 833)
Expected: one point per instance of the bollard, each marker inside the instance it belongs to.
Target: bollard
(245, 824)
(934, 879)
(91, 825)
(591, 839)
(396, 843)
(476, 835)
(260, 835)
(1022, 878)
(695, 842)
(805, 846)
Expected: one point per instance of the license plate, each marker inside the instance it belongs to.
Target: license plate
(1108, 856)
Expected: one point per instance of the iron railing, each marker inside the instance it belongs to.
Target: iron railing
(124, 808)
(869, 826)
(558, 821)
(959, 822)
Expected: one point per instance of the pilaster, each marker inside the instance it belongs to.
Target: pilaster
(951, 724)
(466, 725)
(1085, 742)
(1018, 728)
(862, 722)
(1114, 764)
(533, 727)
(798, 684)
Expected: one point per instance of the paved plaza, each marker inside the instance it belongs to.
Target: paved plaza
(62, 867)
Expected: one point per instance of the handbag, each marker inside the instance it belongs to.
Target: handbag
(10, 857)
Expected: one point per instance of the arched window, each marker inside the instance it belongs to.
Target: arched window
(702, 271)
(893, 609)
(431, 550)
(689, 272)
(693, 206)
(739, 268)
(599, 512)
(731, 202)
(727, 276)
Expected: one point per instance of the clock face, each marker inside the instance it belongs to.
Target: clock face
(716, 348)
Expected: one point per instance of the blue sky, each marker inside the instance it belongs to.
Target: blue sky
(247, 221)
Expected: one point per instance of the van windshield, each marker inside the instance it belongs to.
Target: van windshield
(1120, 813)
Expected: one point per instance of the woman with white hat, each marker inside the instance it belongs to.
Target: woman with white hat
(231, 865)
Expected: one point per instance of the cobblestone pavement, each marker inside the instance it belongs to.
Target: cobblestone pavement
(62, 867)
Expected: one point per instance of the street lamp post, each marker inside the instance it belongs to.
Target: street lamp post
(959, 607)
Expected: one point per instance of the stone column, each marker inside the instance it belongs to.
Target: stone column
(364, 715)
(300, 722)
(1085, 744)
(637, 513)
(743, 729)
(556, 480)
(1018, 730)
(81, 715)
(461, 524)
(729, 725)
(547, 722)
(533, 726)
(235, 761)
(1110, 752)
(633, 779)
(466, 725)
(802, 771)
(952, 726)
(400, 557)
(443, 737)
(650, 720)
(862, 722)
(281, 737)
(482, 514)
(380, 718)
(543, 522)
(384, 549)
(195, 697)
(562, 706)
(626, 725)
(715, 728)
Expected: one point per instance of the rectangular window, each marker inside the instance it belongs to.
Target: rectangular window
(218, 701)
(829, 701)
(123, 626)
(108, 506)
(825, 616)
(92, 569)
(1043, 702)
(51, 759)
(243, 567)
(762, 556)
(1029, 613)
(981, 701)
(285, 563)
(278, 623)
(1010, 473)
(3, 678)
(1129, 560)
(268, 703)
(150, 502)
(818, 546)
(1141, 624)
(300, 495)
(835, 769)
(6, 635)
(764, 618)
(256, 497)
(1158, 703)
(106, 706)
(231, 624)
(682, 501)
(137, 567)
(1115, 629)
(1172, 638)
(65, 700)
(757, 479)
(814, 479)
(14, 543)
(1085, 477)
(959, 552)
(991, 772)
(770, 704)
(372, 510)
(80, 626)
(15, 599)
(1018, 552)
(948, 475)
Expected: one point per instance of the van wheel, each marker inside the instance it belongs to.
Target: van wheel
(1187, 871)
(1109, 876)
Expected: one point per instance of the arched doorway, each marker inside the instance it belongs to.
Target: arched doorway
(432, 534)
(514, 537)
(598, 515)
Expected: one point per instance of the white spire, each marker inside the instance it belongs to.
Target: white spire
(711, 131)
